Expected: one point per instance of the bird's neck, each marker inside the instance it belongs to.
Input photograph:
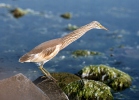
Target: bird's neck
(71, 37)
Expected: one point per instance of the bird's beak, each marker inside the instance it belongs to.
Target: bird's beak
(104, 28)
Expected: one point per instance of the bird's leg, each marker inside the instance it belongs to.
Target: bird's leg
(49, 75)
(45, 72)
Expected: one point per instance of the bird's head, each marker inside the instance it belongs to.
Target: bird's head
(98, 25)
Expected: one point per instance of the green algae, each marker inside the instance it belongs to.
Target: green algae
(79, 53)
(72, 27)
(18, 12)
(63, 79)
(97, 83)
(114, 78)
(66, 15)
(88, 90)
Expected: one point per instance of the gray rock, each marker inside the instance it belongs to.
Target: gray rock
(50, 87)
(19, 87)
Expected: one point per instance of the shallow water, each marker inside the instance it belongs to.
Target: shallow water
(119, 45)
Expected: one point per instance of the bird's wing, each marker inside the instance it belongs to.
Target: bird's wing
(42, 52)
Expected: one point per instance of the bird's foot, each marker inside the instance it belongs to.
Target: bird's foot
(47, 74)
(43, 77)
(49, 77)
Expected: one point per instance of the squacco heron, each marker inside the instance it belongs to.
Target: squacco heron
(49, 49)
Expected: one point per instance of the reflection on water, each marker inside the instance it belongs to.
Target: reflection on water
(119, 45)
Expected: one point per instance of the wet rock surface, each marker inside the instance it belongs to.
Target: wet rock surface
(54, 89)
(84, 53)
(19, 87)
(66, 86)
(18, 12)
(66, 15)
(88, 90)
(63, 79)
(50, 87)
(116, 79)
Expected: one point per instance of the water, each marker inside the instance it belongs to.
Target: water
(119, 45)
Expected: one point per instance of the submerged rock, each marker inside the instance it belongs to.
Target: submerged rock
(72, 27)
(88, 90)
(79, 53)
(114, 78)
(18, 12)
(66, 15)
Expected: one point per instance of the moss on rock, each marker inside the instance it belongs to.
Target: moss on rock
(66, 15)
(64, 78)
(88, 90)
(79, 53)
(72, 27)
(114, 78)
(18, 12)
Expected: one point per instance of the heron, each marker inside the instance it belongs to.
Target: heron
(49, 49)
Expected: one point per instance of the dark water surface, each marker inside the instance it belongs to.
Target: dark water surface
(119, 45)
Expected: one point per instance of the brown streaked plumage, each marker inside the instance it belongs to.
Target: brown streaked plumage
(49, 49)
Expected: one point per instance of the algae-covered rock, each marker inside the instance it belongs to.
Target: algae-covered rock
(18, 12)
(66, 15)
(121, 82)
(115, 78)
(79, 53)
(72, 27)
(88, 90)
(65, 78)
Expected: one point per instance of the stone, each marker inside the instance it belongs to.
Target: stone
(66, 15)
(18, 12)
(51, 88)
(88, 90)
(84, 53)
(116, 79)
(63, 78)
(19, 87)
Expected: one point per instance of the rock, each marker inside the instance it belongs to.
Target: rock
(88, 90)
(18, 12)
(19, 87)
(113, 77)
(66, 15)
(51, 88)
(63, 79)
(72, 27)
(84, 53)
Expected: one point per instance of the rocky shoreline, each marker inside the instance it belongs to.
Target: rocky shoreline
(92, 83)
